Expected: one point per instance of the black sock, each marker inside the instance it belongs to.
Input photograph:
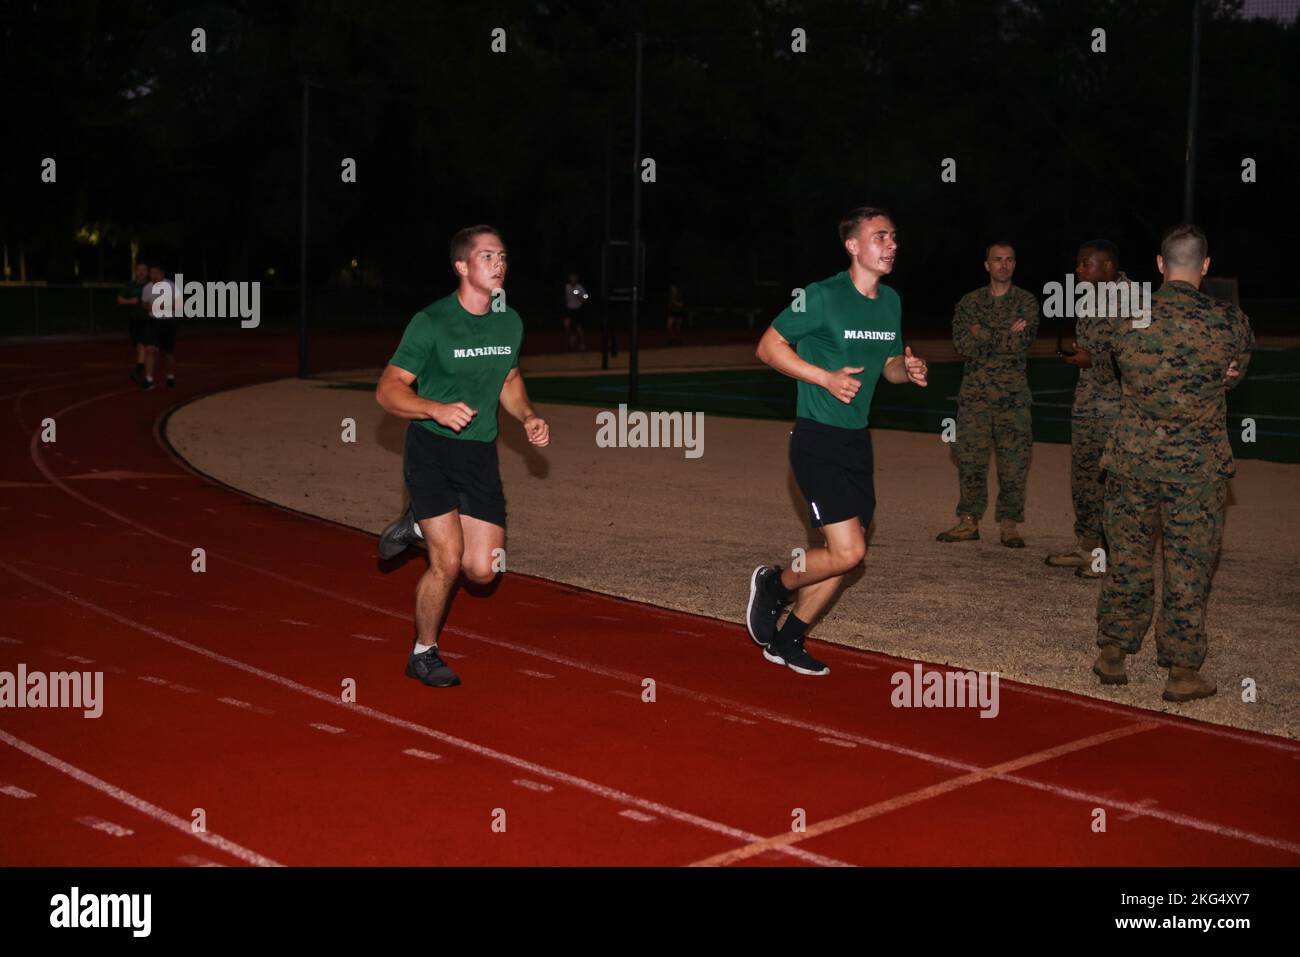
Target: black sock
(139, 367)
(791, 630)
(776, 589)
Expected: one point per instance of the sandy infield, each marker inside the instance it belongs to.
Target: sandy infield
(655, 526)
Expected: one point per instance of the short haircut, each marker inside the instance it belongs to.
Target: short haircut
(999, 242)
(463, 241)
(854, 218)
(1103, 246)
(1184, 246)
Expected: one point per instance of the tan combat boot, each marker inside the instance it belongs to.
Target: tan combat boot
(966, 530)
(1186, 684)
(1109, 666)
(1010, 534)
(1079, 555)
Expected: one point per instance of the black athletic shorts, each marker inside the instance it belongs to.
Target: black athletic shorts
(834, 469)
(443, 474)
(142, 331)
(164, 335)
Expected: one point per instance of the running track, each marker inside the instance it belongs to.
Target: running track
(223, 693)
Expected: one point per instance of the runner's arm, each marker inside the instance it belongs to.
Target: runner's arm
(396, 396)
(514, 399)
(776, 351)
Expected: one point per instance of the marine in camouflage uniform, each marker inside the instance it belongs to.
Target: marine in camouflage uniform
(1168, 461)
(993, 328)
(1096, 401)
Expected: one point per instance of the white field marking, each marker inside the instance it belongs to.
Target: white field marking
(245, 706)
(1145, 803)
(731, 717)
(108, 827)
(528, 604)
(115, 669)
(10, 641)
(328, 728)
(90, 525)
(427, 755)
(1184, 820)
(614, 795)
(224, 607)
(788, 838)
(193, 860)
(606, 618)
(163, 594)
(838, 742)
(293, 621)
(109, 581)
(1289, 747)
(211, 510)
(693, 634)
(636, 816)
(367, 637)
(63, 654)
(453, 655)
(534, 674)
(164, 683)
(13, 791)
(533, 785)
(858, 664)
(624, 693)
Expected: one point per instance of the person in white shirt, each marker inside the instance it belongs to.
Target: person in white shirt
(163, 319)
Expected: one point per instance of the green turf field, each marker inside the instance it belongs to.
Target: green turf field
(1270, 394)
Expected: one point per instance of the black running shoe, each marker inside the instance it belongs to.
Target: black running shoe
(399, 536)
(171, 382)
(764, 609)
(137, 376)
(429, 667)
(794, 657)
(146, 385)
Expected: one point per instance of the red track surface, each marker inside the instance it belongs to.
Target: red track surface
(222, 692)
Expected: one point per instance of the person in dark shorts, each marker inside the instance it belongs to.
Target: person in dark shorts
(458, 359)
(128, 298)
(159, 302)
(837, 338)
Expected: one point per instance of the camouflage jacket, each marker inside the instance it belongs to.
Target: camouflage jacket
(1172, 424)
(1096, 394)
(995, 356)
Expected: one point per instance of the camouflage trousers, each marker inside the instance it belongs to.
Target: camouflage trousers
(1087, 442)
(1190, 515)
(985, 426)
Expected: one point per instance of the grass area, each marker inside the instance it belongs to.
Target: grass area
(1268, 394)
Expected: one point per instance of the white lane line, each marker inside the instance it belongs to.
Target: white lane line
(636, 816)
(534, 674)
(453, 655)
(606, 618)
(427, 755)
(13, 791)
(10, 641)
(614, 795)
(222, 607)
(367, 637)
(528, 604)
(838, 742)
(108, 827)
(1143, 804)
(244, 705)
(164, 683)
(623, 693)
(328, 728)
(734, 718)
(181, 824)
(193, 860)
(533, 785)
(301, 624)
(858, 664)
(693, 634)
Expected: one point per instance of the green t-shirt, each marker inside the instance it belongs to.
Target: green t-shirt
(457, 356)
(841, 327)
(130, 290)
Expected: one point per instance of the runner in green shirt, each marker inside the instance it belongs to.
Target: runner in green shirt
(837, 339)
(458, 360)
(128, 301)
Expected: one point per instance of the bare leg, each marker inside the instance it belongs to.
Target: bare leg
(482, 539)
(815, 586)
(443, 536)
